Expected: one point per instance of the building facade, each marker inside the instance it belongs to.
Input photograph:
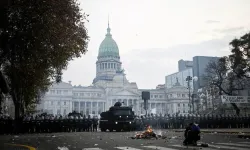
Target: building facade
(109, 86)
(199, 69)
(184, 64)
(170, 80)
(178, 100)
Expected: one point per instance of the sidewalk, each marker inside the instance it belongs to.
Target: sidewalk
(232, 131)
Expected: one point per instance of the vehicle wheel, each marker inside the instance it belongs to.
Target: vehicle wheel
(103, 130)
(110, 130)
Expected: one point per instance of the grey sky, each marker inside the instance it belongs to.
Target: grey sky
(153, 35)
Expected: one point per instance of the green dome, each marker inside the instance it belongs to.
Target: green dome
(108, 46)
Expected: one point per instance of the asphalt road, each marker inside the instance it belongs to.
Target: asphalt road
(116, 141)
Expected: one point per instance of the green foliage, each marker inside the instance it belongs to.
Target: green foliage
(231, 74)
(40, 38)
(239, 59)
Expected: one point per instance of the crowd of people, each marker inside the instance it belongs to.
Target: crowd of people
(46, 123)
(204, 121)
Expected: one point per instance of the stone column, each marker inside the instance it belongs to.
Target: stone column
(84, 110)
(79, 106)
(90, 108)
(97, 107)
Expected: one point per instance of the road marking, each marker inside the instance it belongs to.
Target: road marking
(193, 147)
(92, 149)
(234, 144)
(19, 145)
(159, 148)
(244, 142)
(227, 147)
(127, 148)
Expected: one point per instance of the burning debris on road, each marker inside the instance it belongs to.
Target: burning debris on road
(148, 134)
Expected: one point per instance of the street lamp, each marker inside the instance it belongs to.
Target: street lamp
(188, 79)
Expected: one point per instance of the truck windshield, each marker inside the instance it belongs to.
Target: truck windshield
(122, 112)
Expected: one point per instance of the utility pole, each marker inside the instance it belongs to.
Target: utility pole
(188, 79)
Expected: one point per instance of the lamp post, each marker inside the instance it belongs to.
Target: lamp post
(188, 79)
(191, 104)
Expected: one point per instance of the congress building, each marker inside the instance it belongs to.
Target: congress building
(109, 86)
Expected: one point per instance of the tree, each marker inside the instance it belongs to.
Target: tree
(40, 38)
(240, 56)
(220, 75)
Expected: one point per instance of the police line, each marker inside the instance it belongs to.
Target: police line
(235, 99)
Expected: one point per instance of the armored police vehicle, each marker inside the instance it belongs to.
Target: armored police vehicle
(117, 118)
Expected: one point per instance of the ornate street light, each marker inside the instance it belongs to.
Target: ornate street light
(188, 79)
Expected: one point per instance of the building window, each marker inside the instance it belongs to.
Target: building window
(64, 112)
(94, 104)
(87, 111)
(178, 95)
(170, 95)
(130, 102)
(183, 95)
(125, 102)
(88, 94)
(99, 95)
(112, 65)
(105, 65)
(156, 96)
(178, 104)
(75, 94)
(152, 96)
(65, 92)
(82, 104)
(81, 112)
(183, 105)
(58, 91)
(52, 91)
(93, 94)
(160, 96)
(58, 103)
(64, 103)
(88, 104)
(81, 94)
(51, 102)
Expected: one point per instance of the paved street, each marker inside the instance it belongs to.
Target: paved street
(118, 140)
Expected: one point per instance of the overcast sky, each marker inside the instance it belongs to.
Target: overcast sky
(152, 35)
